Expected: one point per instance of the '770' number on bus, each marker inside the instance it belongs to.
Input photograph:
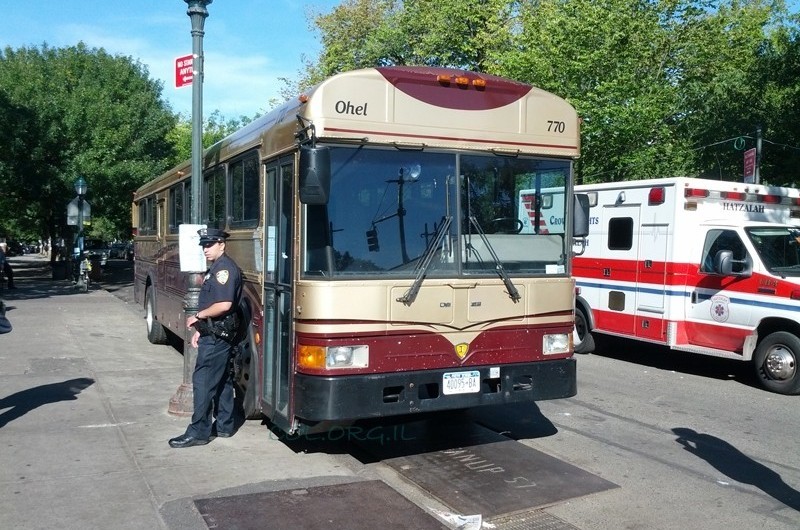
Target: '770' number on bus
(555, 126)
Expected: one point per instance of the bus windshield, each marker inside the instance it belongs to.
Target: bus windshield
(393, 211)
(779, 249)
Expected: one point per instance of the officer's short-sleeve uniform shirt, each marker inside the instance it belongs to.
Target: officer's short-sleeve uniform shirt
(221, 283)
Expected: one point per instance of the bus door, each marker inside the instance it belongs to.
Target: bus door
(278, 254)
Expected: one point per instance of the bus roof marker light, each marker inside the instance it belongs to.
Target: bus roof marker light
(443, 79)
(462, 81)
(480, 84)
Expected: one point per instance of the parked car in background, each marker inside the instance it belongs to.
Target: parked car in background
(15, 248)
(97, 247)
(118, 251)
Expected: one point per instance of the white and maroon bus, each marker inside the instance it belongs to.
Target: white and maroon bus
(376, 222)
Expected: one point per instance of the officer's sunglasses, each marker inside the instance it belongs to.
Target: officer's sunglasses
(209, 244)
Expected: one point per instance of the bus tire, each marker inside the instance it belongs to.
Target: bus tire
(775, 361)
(246, 381)
(156, 333)
(582, 339)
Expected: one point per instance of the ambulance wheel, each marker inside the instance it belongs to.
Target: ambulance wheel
(582, 339)
(156, 333)
(776, 362)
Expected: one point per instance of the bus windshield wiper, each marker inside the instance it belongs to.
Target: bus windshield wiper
(425, 261)
(512, 291)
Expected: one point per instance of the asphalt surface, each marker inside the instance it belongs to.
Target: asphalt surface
(84, 422)
(690, 442)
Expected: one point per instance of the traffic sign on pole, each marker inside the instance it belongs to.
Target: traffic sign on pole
(749, 165)
(183, 71)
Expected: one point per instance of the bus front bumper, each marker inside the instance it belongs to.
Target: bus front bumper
(389, 394)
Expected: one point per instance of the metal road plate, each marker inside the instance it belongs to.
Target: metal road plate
(476, 471)
(363, 505)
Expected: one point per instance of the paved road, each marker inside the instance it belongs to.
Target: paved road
(84, 423)
(692, 442)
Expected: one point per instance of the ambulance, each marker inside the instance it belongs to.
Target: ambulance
(699, 266)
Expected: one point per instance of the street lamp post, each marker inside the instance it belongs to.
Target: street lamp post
(80, 189)
(181, 404)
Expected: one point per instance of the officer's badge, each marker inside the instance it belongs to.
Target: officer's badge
(222, 277)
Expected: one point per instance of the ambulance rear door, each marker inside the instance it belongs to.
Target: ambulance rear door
(617, 300)
(651, 281)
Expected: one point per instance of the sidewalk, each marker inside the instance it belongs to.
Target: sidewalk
(84, 423)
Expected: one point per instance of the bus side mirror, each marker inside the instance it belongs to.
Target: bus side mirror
(580, 215)
(315, 175)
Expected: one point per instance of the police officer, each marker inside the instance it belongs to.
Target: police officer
(213, 322)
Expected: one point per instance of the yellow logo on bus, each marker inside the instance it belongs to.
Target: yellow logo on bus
(462, 349)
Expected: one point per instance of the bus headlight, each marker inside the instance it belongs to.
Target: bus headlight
(347, 357)
(325, 358)
(557, 343)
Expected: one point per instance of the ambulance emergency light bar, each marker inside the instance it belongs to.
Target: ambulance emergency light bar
(741, 196)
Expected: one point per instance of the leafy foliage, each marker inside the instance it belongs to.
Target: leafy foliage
(664, 87)
(73, 112)
(215, 128)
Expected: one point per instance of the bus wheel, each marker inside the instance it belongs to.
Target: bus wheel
(246, 385)
(156, 333)
(582, 338)
(776, 362)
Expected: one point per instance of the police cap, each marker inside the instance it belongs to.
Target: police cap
(212, 235)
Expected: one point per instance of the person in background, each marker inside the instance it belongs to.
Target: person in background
(215, 325)
(5, 266)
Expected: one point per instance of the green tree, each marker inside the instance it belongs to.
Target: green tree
(720, 61)
(776, 76)
(215, 128)
(85, 113)
(613, 61)
(660, 84)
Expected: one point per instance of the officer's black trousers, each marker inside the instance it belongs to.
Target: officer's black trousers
(211, 380)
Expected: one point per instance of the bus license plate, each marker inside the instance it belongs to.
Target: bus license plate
(461, 382)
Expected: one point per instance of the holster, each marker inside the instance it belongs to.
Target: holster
(225, 328)
(203, 327)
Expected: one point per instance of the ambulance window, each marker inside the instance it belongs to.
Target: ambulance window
(717, 240)
(620, 233)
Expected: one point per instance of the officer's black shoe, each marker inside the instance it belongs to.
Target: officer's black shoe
(185, 440)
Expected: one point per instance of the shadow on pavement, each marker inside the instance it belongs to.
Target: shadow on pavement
(24, 401)
(662, 358)
(34, 278)
(737, 466)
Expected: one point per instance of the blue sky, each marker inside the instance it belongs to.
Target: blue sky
(248, 44)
